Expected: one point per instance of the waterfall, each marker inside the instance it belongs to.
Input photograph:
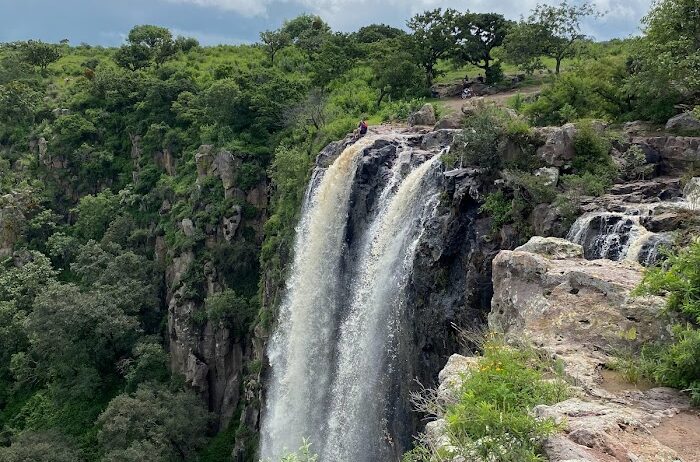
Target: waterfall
(333, 348)
(621, 235)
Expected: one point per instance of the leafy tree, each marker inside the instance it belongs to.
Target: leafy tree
(395, 73)
(376, 33)
(46, 446)
(153, 424)
(75, 339)
(433, 38)
(477, 34)
(94, 215)
(146, 45)
(306, 32)
(38, 53)
(274, 41)
(550, 30)
(18, 102)
(666, 63)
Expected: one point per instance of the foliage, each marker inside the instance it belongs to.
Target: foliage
(550, 30)
(592, 153)
(395, 73)
(432, 37)
(677, 364)
(478, 144)
(477, 35)
(498, 208)
(152, 424)
(665, 65)
(491, 418)
(38, 53)
(48, 446)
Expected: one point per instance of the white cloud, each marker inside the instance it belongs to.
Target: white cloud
(244, 7)
(622, 15)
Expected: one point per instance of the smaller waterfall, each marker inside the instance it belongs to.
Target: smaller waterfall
(618, 236)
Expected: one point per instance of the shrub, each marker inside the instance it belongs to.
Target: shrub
(478, 144)
(499, 208)
(677, 364)
(491, 418)
(592, 152)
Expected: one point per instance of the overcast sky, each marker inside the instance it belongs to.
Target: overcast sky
(106, 22)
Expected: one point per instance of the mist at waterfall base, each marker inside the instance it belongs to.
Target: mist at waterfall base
(333, 351)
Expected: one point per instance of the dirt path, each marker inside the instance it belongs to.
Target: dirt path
(455, 104)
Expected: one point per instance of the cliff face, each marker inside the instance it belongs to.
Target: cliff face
(215, 354)
(449, 283)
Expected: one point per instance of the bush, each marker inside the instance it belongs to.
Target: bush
(499, 208)
(491, 419)
(478, 144)
(677, 364)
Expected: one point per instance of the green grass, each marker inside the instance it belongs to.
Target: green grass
(492, 418)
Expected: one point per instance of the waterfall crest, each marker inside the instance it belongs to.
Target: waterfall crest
(331, 354)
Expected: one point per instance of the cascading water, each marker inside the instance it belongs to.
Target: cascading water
(331, 354)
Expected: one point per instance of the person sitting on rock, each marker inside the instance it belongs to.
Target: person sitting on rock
(362, 127)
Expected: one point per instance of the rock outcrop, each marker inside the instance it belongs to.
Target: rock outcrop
(576, 309)
(558, 147)
(582, 313)
(684, 122)
(425, 116)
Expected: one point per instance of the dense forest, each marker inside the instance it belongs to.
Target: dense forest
(104, 181)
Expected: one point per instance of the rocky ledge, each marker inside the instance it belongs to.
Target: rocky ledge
(582, 313)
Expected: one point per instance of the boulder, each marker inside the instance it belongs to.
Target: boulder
(558, 147)
(547, 220)
(677, 154)
(447, 90)
(601, 431)
(424, 116)
(550, 175)
(578, 310)
(637, 127)
(452, 121)
(438, 139)
(685, 122)
(663, 222)
(552, 247)
(204, 159)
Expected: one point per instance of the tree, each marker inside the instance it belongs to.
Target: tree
(153, 424)
(377, 32)
(18, 102)
(147, 45)
(274, 41)
(47, 446)
(433, 38)
(395, 73)
(306, 32)
(476, 35)
(666, 64)
(38, 53)
(551, 31)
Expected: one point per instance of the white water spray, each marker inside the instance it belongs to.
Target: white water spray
(330, 357)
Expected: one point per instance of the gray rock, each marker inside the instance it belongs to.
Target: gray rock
(451, 122)
(685, 122)
(558, 147)
(564, 304)
(438, 139)
(550, 174)
(204, 159)
(424, 116)
(552, 247)
(547, 220)
(187, 227)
